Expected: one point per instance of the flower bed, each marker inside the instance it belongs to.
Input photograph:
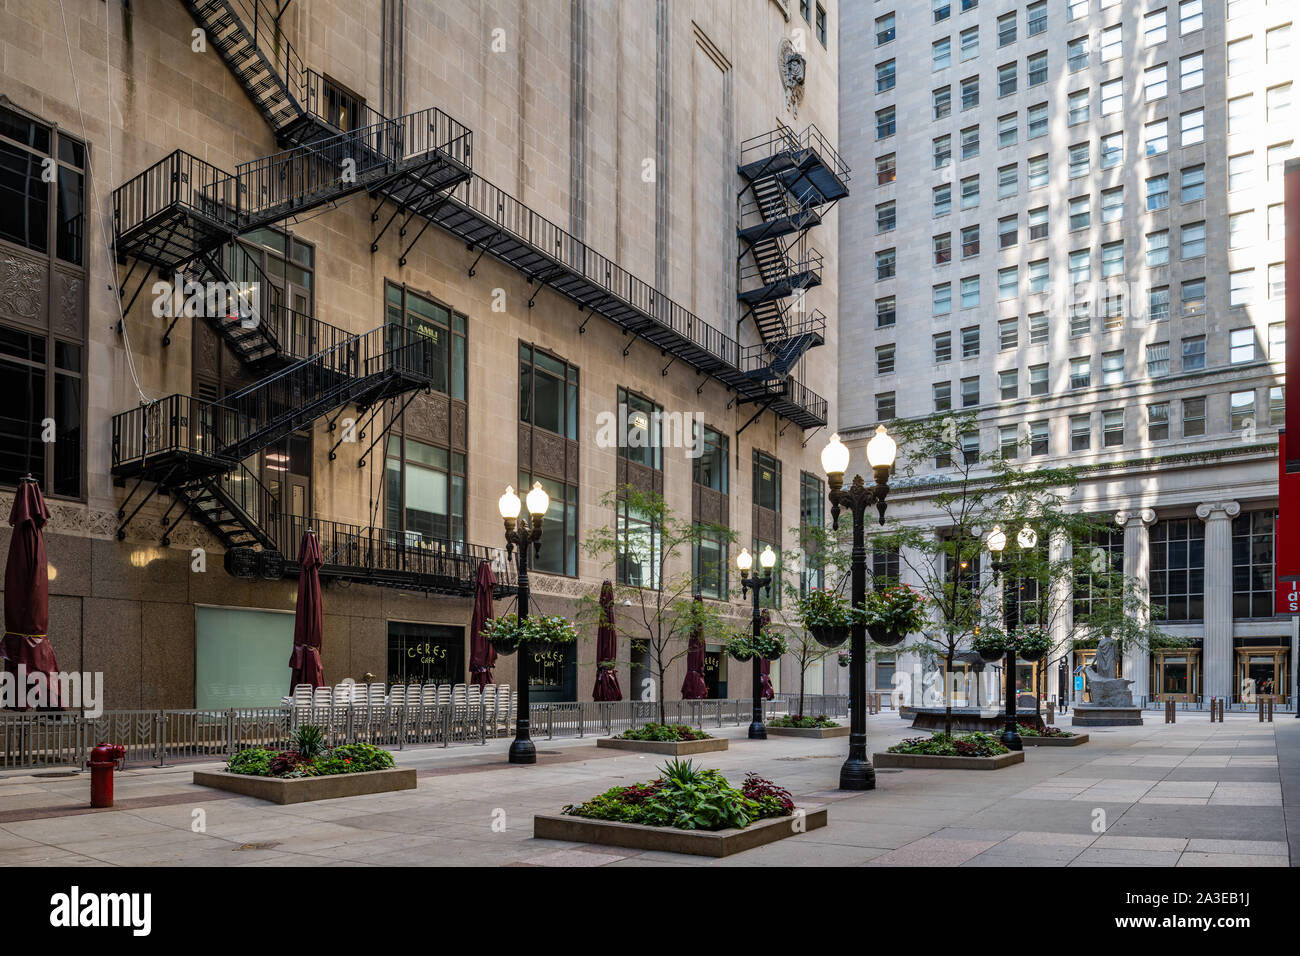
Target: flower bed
(688, 798)
(1047, 731)
(973, 751)
(801, 722)
(944, 745)
(664, 732)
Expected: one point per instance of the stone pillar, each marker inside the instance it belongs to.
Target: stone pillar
(1137, 568)
(1061, 603)
(1216, 652)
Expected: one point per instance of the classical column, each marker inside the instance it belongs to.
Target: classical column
(1137, 568)
(1216, 652)
(1061, 601)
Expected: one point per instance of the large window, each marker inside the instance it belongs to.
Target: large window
(711, 478)
(638, 547)
(642, 440)
(425, 653)
(1252, 563)
(1099, 565)
(548, 392)
(884, 568)
(640, 445)
(444, 329)
(42, 183)
(767, 481)
(424, 494)
(560, 531)
(812, 515)
(1178, 568)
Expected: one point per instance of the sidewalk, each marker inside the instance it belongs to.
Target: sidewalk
(1187, 794)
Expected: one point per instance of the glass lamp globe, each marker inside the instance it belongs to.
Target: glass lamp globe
(835, 456)
(881, 450)
(508, 504)
(768, 558)
(997, 540)
(744, 560)
(1027, 538)
(538, 500)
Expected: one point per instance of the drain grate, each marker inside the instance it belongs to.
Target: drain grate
(258, 846)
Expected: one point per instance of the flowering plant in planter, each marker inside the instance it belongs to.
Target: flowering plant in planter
(1032, 642)
(844, 658)
(507, 632)
(826, 615)
(769, 644)
(893, 613)
(504, 633)
(990, 643)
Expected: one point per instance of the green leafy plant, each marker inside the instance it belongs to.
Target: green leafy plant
(899, 608)
(1047, 731)
(947, 745)
(309, 741)
(802, 722)
(254, 762)
(1032, 641)
(990, 640)
(667, 732)
(770, 643)
(822, 607)
(688, 798)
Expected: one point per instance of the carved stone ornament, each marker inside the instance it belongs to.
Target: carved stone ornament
(20, 287)
(792, 66)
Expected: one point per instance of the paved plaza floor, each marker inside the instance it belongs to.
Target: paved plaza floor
(1187, 794)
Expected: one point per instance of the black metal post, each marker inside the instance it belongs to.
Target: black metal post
(857, 773)
(754, 583)
(1010, 736)
(522, 749)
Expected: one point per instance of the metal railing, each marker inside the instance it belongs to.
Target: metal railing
(416, 561)
(787, 267)
(160, 737)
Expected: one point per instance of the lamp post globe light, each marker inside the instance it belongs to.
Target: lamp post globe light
(523, 534)
(751, 584)
(857, 772)
(997, 543)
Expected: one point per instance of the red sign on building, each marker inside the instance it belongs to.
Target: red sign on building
(1286, 546)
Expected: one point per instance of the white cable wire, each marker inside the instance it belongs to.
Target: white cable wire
(108, 246)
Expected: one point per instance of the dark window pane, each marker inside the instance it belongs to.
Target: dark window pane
(24, 199)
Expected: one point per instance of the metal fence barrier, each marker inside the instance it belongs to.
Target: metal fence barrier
(160, 737)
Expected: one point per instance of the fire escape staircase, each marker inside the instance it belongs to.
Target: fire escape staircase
(791, 180)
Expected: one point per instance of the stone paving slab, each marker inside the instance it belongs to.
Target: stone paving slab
(1189, 795)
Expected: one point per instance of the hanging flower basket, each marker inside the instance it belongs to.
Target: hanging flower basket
(891, 614)
(508, 632)
(886, 637)
(830, 636)
(549, 629)
(769, 645)
(504, 633)
(741, 647)
(1032, 643)
(990, 644)
(826, 615)
(844, 658)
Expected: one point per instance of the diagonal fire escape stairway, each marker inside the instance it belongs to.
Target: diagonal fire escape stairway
(195, 450)
(791, 179)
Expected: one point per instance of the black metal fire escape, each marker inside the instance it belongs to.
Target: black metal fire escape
(791, 180)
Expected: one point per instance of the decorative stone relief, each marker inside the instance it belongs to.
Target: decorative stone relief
(21, 287)
(793, 68)
(1230, 509)
(67, 320)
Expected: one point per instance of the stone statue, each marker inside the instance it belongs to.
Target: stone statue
(1106, 689)
(792, 68)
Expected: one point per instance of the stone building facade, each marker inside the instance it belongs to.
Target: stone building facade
(611, 130)
(1076, 233)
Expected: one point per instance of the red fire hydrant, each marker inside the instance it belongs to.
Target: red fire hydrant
(103, 761)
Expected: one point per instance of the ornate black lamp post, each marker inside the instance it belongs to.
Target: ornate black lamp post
(857, 772)
(751, 584)
(997, 542)
(523, 533)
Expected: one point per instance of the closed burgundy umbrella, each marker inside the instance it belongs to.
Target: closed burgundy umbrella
(308, 617)
(481, 654)
(693, 687)
(606, 649)
(27, 595)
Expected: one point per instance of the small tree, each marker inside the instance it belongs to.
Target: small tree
(980, 492)
(822, 549)
(661, 542)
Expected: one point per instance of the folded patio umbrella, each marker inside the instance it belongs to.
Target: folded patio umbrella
(693, 687)
(481, 654)
(308, 617)
(27, 594)
(606, 649)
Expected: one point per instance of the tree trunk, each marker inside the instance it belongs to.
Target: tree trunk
(947, 694)
(803, 670)
(659, 691)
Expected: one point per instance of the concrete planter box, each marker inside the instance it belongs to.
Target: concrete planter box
(1074, 741)
(305, 789)
(671, 748)
(815, 732)
(933, 762)
(1088, 715)
(636, 836)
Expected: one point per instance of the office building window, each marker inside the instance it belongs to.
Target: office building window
(1241, 346)
(1241, 409)
(886, 262)
(1155, 27)
(942, 396)
(1193, 294)
(1158, 421)
(1080, 432)
(942, 347)
(1157, 359)
(1158, 303)
(1194, 353)
(1192, 186)
(1192, 127)
(1252, 564)
(1193, 417)
(886, 312)
(1008, 333)
(1112, 150)
(1038, 384)
(970, 392)
(1177, 571)
(1112, 428)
